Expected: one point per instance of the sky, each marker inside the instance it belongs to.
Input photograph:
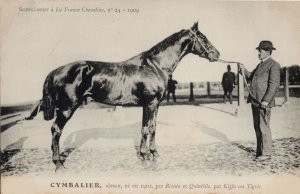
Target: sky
(34, 43)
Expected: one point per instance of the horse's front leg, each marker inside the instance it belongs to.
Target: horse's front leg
(148, 130)
(152, 146)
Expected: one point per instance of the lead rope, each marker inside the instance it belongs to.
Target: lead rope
(245, 80)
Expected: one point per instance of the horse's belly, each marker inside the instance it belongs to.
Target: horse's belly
(119, 101)
(122, 97)
(115, 96)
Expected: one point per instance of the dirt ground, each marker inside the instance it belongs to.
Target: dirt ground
(192, 140)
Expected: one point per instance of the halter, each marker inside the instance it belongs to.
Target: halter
(200, 41)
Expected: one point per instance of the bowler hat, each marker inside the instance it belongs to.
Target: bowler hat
(265, 45)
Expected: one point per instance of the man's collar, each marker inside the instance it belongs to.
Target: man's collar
(263, 60)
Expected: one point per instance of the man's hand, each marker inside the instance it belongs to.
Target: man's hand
(264, 106)
(242, 68)
(265, 103)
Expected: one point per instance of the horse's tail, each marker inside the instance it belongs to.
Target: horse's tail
(48, 105)
(34, 111)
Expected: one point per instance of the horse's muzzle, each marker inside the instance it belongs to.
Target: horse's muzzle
(213, 59)
(213, 55)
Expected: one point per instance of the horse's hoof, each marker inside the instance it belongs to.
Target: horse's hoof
(148, 156)
(154, 153)
(59, 165)
(145, 156)
(139, 156)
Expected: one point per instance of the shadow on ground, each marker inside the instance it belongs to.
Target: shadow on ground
(78, 138)
(12, 150)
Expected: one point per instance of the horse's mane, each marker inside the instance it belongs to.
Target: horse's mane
(163, 45)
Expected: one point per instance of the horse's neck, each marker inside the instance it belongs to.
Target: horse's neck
(169, 58)
(166, 60)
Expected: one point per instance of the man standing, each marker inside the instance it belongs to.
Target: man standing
(171, 88)
(265, 80)
(228, 80)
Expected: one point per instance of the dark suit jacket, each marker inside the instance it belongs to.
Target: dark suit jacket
(228, 79)
(265, 80)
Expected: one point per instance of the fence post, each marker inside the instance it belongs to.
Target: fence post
(208, 88)
(286, 85)
(241, 96)
(191, 99)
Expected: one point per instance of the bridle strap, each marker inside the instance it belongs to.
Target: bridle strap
(199, 40)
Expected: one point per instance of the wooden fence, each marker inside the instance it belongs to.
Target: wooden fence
(194, 90)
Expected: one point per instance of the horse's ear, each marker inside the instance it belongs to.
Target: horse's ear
(195, 26)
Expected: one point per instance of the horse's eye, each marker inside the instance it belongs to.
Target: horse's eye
(200, 35)
(203, 37)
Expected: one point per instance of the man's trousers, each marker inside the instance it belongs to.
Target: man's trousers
(261, 120)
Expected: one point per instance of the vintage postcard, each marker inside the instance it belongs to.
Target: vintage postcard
(150, 96)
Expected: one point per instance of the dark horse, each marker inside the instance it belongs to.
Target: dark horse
(140, 80)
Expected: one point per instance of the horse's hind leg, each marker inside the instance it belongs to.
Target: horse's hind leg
(56, 129)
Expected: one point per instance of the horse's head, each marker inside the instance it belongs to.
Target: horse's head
(201, 46)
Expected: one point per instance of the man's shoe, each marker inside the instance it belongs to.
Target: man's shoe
(262, 158)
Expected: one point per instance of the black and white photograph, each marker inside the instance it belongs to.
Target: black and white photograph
(150, 97)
